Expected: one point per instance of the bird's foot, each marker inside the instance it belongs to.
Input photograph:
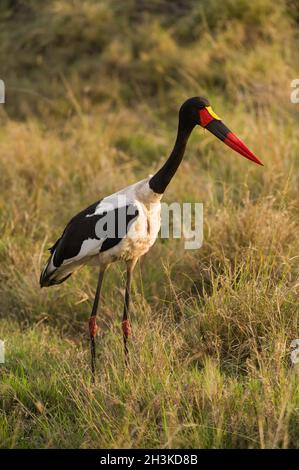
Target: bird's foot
(126, 326)
(93, 327)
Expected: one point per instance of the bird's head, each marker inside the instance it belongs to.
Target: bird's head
(198, 111)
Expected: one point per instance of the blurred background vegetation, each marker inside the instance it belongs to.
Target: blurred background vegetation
(92, 94)
(124, 53)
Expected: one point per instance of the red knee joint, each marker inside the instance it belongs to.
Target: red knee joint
(93, 327)
(126, 328)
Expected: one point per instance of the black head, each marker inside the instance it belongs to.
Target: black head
(190, 109)
(198, 111)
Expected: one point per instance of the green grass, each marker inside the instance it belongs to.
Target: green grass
(207, 373)
(93, 91)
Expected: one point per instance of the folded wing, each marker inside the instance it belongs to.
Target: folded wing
(97, 228)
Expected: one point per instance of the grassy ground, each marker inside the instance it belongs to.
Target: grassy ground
(92, 95)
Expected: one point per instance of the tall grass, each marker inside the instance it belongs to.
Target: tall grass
(93, 90)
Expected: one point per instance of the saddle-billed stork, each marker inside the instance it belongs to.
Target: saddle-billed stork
(134, 214)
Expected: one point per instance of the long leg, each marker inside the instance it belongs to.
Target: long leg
(93, 322)
(125, 322)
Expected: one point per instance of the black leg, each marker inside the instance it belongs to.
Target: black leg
(93, 323)
(125, 322)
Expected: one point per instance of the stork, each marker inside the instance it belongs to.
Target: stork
(124, 225)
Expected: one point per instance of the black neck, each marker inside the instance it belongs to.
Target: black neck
(159, 182)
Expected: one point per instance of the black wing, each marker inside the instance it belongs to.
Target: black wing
(80, 217)
(82, 227)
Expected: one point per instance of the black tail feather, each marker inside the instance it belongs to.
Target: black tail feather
(53, 282)
(48, 279)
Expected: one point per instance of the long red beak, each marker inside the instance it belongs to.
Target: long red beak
(209, 120)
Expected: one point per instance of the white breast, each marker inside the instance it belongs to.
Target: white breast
(144, 230)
